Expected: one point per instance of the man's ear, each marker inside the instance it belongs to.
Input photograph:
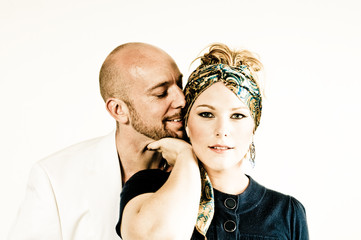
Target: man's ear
(118, 109)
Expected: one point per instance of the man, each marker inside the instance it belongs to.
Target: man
(75, 193)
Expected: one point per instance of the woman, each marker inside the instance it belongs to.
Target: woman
(222, 113)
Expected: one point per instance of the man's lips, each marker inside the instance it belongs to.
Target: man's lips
(175, 123)
(174, 119)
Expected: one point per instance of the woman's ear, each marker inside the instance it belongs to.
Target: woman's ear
(187, 131)
(118, 109)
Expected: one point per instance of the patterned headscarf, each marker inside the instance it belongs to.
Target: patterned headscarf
(240, 81)
(206, 203)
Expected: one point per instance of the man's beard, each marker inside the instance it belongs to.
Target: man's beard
(156, 132)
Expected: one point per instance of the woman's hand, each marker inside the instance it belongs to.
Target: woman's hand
(171, 148)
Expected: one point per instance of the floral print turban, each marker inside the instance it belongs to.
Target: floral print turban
(238, 79)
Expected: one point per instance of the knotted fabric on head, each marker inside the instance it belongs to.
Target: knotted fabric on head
(240, 81)
(237, 79)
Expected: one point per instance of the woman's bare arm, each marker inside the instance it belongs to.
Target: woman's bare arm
(171, 212)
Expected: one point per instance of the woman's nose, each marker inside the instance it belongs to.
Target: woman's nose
(222, 129)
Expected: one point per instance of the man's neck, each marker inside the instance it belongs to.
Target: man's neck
(133, 154)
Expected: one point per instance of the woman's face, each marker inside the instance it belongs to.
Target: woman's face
(220, 127)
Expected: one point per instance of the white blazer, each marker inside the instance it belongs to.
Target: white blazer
(73, 194)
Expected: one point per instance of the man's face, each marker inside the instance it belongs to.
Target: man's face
(156, 100)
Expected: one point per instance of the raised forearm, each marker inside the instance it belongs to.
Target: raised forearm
(171, 212)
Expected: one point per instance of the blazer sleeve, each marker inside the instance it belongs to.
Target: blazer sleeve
(38, 216)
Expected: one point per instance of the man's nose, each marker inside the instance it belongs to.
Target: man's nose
(178, 98)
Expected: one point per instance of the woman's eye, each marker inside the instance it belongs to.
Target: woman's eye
(206, 114)
(237, 116)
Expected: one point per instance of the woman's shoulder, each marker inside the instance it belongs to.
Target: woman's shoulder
(149, 173)
(289, 202)
(293, 213)
(149, 180)
(145, 181)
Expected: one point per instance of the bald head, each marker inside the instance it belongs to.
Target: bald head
(123, 64)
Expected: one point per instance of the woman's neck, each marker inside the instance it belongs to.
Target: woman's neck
(232, 181)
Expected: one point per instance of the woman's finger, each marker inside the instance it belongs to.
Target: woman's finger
(153, 146)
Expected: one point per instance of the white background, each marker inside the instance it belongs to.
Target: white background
(307, 145)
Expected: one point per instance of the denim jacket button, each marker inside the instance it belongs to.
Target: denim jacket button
(230, 203)
(229, 226)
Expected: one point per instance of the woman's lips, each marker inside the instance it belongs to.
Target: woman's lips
(220, 148)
